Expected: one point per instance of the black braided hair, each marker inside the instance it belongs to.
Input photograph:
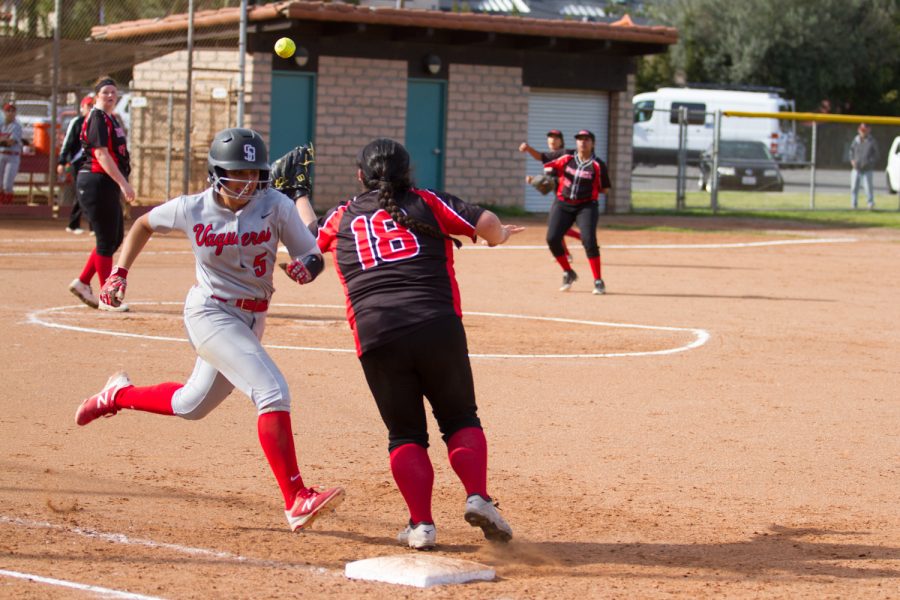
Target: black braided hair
(385, 167)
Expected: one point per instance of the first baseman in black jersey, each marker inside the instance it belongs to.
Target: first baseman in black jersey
(394, 255)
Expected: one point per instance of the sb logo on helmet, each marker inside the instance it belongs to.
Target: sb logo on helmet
(249, 152)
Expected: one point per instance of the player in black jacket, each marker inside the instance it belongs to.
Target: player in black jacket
(394, 255)
(71, 157)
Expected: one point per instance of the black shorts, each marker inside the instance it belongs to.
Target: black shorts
(432, 362)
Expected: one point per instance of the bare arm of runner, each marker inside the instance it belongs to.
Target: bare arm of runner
(113, 291)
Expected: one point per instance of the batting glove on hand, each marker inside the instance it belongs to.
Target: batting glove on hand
(304, 270)
(290, 173)
(113, 291)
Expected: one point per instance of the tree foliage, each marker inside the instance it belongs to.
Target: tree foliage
(78, 16)
(846, 51)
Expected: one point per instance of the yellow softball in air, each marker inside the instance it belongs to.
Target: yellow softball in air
(285, 47)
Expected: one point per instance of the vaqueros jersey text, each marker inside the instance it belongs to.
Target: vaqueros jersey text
(396, 280)
(102, 131)
(236, 251)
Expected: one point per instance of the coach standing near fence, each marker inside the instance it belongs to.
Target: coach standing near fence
(101, 180)
(864, 155)
(10, 152)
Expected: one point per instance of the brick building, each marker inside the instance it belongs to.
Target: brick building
(460, 90)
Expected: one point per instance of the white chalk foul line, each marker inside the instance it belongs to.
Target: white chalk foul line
(701, 336)
(841, 240)
(96, 589)
(118, 538)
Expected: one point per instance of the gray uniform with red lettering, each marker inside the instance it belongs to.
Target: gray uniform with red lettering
(236, 256)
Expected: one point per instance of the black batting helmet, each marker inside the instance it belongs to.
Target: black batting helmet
(235, 149)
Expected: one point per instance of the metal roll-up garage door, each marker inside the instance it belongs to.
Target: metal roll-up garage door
(568, 111)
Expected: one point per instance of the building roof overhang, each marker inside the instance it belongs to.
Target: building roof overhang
(622, 32)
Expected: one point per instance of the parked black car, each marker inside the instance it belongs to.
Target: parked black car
(743, 165)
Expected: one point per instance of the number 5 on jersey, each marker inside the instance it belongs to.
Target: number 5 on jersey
(379, 239)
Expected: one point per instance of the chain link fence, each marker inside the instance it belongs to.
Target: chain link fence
(764, 164)
(46, 69)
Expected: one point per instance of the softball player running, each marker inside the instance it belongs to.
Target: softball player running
(394, 256)
(234, 228)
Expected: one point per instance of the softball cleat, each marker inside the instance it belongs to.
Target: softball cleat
(310, 503)
(599, 287)
(103, 403)
(83, 292)
(420, 536)
(569, 277)
(482, 512)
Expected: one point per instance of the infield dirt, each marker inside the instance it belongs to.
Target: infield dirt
(763, 463)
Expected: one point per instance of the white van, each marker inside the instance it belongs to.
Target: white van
(655, 138)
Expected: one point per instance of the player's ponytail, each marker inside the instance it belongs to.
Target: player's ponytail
(384, 165)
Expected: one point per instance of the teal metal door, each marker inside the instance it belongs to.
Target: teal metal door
(425, 111)
(292, 112)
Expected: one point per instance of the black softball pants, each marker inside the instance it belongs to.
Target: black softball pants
(431, 361)
(99, 197)
(563, 215)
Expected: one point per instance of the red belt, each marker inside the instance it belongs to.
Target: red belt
(248, 304)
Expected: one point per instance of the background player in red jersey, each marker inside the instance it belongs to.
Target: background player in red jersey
(556, 147)
(102, 178)
(394, 254)
(582, 178)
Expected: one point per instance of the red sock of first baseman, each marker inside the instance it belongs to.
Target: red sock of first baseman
(89, 269)
(103, 264)
(467, 449)
(277, 440)
(595, 267)
(414, 475)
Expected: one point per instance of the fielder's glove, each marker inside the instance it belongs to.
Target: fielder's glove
(113, 290)
(304, 270)
(544, 183)
(290, 173)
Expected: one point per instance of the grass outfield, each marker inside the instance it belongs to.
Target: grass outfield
(830, 208)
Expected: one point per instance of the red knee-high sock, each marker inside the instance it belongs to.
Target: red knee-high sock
(89, 268)
(595, 267)
(103, 264)
(574, 234)
(277, 441)
(467, 449)
(414, 476)
(152, 398)
(563, 262)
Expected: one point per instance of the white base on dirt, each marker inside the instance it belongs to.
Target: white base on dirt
(419, 570)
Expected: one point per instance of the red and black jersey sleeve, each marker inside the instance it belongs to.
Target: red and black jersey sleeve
(605, 183)
(396, 279)
(102, 131)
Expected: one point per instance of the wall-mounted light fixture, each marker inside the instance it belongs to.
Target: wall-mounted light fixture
(301, 56)
(433, 64)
